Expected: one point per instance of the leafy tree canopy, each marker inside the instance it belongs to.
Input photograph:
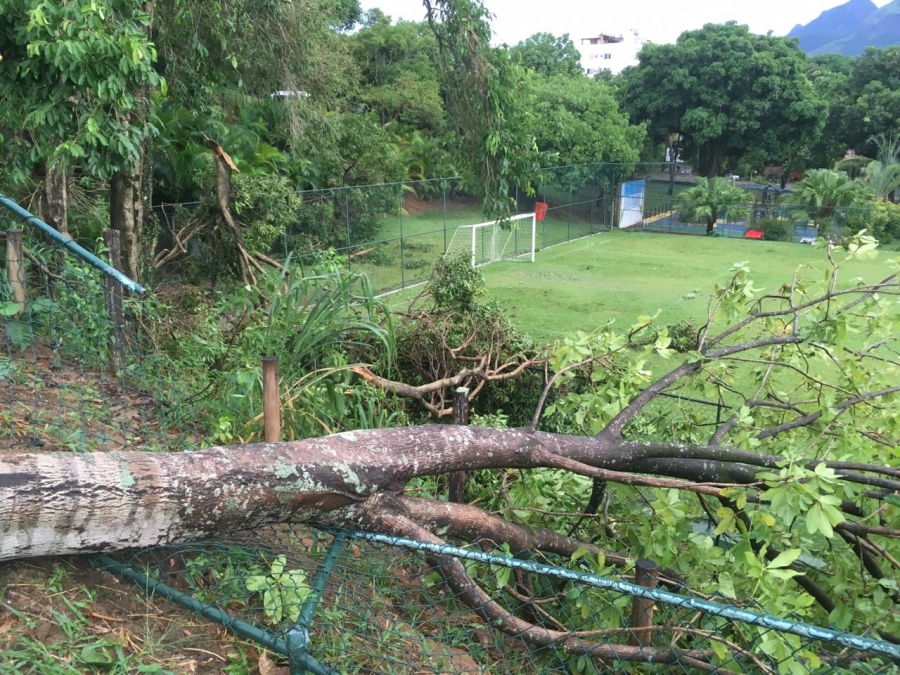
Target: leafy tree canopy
(69, 82)
(728, 93)
(548, 55)
(399, 72)
(578, 121)
(874, 90)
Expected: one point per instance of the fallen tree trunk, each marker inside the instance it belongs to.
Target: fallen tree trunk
(63, 503)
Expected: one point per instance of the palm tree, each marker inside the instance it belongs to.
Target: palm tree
(711, 199)
(823, 194)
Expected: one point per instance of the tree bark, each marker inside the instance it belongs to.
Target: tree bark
(60, 503)
(56, 196)
(63, 503)
(126, 214)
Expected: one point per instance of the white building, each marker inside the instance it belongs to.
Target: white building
(610, 52)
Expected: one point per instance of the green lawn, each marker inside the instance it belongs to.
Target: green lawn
(427, 227)
(620, 276)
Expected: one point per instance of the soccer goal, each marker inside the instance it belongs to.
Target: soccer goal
(489, 242)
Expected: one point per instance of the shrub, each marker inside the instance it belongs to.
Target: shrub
(882, 220)
(774, 229)
(455, 284)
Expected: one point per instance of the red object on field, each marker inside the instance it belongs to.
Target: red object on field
(540, 210)
(754, 234)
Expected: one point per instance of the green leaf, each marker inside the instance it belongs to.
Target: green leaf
(98, 655)
(785, 558)
(10, 308)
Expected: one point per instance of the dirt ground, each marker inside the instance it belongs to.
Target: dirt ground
(63, 616)
(72, 609)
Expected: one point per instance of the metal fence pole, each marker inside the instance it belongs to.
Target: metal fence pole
(402, 252)
(349, 236)
(444, 194)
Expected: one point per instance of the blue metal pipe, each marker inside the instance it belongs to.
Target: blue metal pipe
(725, 611)
(72, 246)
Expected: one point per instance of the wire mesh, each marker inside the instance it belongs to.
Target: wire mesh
(377, 604)
(394, 232)
(76, 368)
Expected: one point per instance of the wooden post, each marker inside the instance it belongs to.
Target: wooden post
(271, 400)
(15, 268)
(113, 241)
(457, 485)
(645, 574)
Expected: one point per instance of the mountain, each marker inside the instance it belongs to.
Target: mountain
(879, 29)
(833, 25)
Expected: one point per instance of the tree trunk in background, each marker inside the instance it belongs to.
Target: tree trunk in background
(56, 196)
(126, 214)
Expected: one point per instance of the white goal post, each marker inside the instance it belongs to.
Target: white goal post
(489, 242)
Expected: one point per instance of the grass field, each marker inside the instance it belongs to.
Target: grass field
(583, 284)
(409, 243)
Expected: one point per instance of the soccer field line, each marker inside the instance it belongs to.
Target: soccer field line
(593, 238)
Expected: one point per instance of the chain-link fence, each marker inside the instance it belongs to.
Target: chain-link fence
(394, 232)
(352, 602)
(77, 372)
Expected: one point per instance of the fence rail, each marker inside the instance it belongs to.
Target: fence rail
(342, 601)
(76, 371)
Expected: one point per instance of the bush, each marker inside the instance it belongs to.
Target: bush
(455, 284)
(774, 229)
(882, 219)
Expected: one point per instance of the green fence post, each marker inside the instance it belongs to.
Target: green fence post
(444, 193)
(400, 216)
(297, 636)
(349, 237)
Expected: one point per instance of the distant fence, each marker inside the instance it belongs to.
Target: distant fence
(395, 231)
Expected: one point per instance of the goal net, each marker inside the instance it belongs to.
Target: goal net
(489, 242)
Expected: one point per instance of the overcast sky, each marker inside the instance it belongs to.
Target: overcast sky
(657, 20)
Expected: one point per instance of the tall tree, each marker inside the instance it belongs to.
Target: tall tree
(729, 93)
(874, 92)
(75, 86)
(400, 73)
(484, 102)
(548, 55)
(830, 76)
(578, 121)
